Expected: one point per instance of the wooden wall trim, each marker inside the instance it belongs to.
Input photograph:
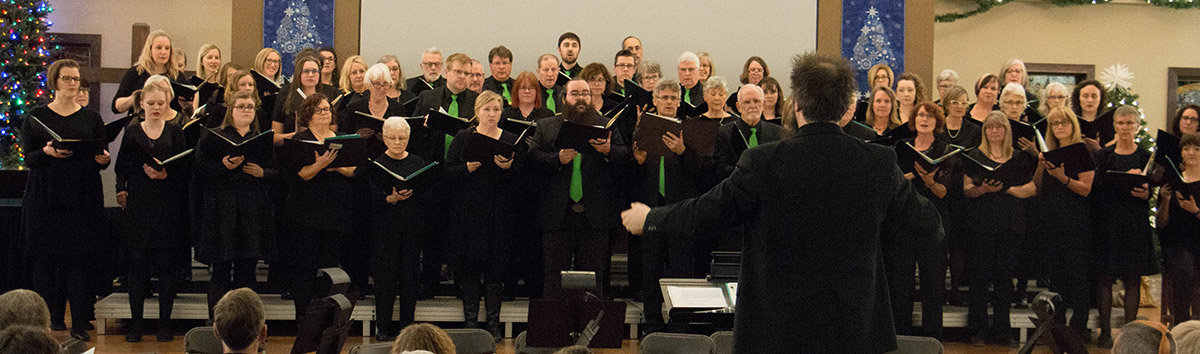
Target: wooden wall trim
(918, 42)
(829, 27)
(140, 32)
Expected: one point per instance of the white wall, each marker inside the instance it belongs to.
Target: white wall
(189, 23)
(731, 31)
(1148, 39)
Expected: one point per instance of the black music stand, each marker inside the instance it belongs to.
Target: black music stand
(578, 318)
(324, 327)
(1058, 337)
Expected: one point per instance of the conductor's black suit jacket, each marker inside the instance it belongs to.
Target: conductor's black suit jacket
(815, 209)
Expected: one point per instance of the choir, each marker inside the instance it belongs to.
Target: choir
(349, 167)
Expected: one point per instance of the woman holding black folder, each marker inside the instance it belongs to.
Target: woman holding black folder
(1179, 223)
(352, 82)
(63, 207)
(153, 196)
(1062, 223)
(319, 203)
(235, 227)
(995, 220)
(156, 59)
(902, 256)
(375, 105)
(525, 105)
(485, 213)
(1125, 242)
(398, 221)
(218, 107)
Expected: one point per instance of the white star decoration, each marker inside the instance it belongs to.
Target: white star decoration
(289, 11)
(1117, 75)
(872, 12)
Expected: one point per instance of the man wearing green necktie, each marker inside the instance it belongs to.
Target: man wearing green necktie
(547, 76)
(689, 79)
(748, 132)
(501, 82)
(454, 98)
(623, 69)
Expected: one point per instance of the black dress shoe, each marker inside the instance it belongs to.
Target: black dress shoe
(165, 337)
(80, 335)
(133, 336)
(58, 326)
(89, 326)
(383, 337)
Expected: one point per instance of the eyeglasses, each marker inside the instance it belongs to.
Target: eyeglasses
(461, 72)
(624, 66)
(273, 61)
(1060, 123)
(310, 71)
(431, 64)
(244, 107)
(958, 103)
(667, 98)
(1056, 97)
(322, 110)
(395, 137)
(1190, 119)
(755, 70)
(1018, 103)
(584, 93)
(924, 115)
(69, 79)
(1013, 71)
(379, 85)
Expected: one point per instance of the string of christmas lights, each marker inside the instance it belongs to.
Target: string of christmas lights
(25, 52)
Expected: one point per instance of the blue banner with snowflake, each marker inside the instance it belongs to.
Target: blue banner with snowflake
(873, 33)
(292, 25)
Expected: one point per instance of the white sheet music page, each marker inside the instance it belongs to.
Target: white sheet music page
(697, 297)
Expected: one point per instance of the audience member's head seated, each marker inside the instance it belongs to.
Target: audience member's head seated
(423, 336)
(23, 307)
(574, 349)
(23, 339)
(821, 84)
(1144, 337)
(240, 321)
(1187, 337)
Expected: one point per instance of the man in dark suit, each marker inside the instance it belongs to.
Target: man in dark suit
(733, 139)
(816, 207)
(431, 77)
(579, 201)
(689, 79)
(501, 82)
(568, 49)
(547, 72)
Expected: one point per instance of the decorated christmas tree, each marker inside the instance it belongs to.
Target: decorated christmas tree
(873, 45)
(296, 31)
(1116, 80)
(25, 51)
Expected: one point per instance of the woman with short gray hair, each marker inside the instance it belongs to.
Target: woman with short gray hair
(715, 91)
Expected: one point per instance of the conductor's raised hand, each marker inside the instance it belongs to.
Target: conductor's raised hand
(634, 219)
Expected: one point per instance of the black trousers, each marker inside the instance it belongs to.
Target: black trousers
(903, 260)
(396, 271)
(240, 271)
(575, 245)
(1067, 269)
(990, 264)
(1180, 265)
(145, 262)
(526, 261)
(69, 277)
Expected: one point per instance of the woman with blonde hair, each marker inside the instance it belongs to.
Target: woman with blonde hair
(881, 113)
(269, 63)
(157, 58)
(423, 336)
(208, 70)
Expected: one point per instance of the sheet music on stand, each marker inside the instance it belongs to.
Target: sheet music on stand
(697, 297)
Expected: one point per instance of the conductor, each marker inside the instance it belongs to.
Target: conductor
(816, 206)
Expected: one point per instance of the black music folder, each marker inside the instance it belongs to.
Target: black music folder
(576, 136)
(907, 155)
(78, 146)
(1076, 156)
(400, 180)
(482, 148)
(1011, 173)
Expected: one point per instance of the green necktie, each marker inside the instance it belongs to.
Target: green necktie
(577, 178)
(507, 96)
(662, 176)
(550, 100)
(453, 111)
(622, 92)
(687, 96)
(753, 137)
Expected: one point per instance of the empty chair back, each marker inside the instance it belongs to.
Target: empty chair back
(522, 349)
(917, 345)
(373, 348)
(471, 341)
(722, 342)
(676, 343)
(201, 340)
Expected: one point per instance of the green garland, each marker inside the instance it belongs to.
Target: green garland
(986, 5)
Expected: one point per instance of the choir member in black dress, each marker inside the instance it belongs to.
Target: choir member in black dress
(706, 67)
(374, 102)
(879, 75)
(904, 255)
(568, 51)
(909, 93)
(500, 62)
(881, 114)
(63, 207)
(1179, 223)
(431, 76)
(734, 138)
(690, 89)
(319, 202)
(329, 69)
(352, 82)
(648, 74)
(946, 79)
(305, 82)
(987, 96)
(1124, 246)
(401, 92)
(235, 227)
(772, 101)
(958, 131)
(623, 69)
(525, 103)
(1186, 120)
(597, 77)
(156, 59)
(1054, 95)
(753, 71)
(456, 100)
(216, 109)
(715, 91)
(1014, 72)
(398, 222)
(269, 63)
(484, 214)
(549, 92)
(1087, 100)
(1062, 223)
(154, 203)
(995, 219)
(577, 207)
(208, 65)
(665, 180)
